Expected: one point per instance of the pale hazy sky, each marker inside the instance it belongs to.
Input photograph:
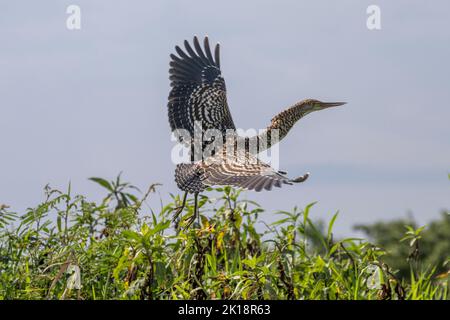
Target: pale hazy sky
(92, 102)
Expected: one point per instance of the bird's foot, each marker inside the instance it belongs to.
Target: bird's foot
(301, 178)
(190, 221)
(178, 211)
(194, 216)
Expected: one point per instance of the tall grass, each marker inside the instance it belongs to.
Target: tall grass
(70, 248)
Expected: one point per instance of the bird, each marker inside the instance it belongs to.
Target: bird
(198, 101)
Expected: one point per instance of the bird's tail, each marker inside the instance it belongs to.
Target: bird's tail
(187, 177)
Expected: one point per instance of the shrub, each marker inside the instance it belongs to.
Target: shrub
(70, 248)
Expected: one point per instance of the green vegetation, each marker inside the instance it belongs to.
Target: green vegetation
(71, 248)
(420, 247)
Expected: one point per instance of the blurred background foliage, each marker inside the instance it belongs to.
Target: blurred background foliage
(431, 247)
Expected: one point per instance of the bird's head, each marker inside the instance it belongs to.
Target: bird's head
(311, 105)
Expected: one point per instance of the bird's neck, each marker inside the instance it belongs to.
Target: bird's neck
(278, 128)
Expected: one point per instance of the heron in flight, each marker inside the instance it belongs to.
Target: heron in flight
(198, 99)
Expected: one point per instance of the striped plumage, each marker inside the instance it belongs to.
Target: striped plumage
(241, 170)
(198, 89)
(198, 97)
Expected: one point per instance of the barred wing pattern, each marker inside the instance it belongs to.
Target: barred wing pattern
(245, 171)
(198, 89)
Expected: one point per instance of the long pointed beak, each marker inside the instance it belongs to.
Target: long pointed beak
(332, 104)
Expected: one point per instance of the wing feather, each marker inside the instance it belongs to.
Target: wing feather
(242, 171)
(198, 89)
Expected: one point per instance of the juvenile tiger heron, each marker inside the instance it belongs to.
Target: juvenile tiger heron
(198, 96)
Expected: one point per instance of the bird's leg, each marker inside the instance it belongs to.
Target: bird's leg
(301, 178)
(179, 209)
(195, 214)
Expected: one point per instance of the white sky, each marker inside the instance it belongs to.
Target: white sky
(75, 104)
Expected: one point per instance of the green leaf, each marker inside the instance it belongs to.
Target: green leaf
(330, 226)
(278, 222)
(306, 212)
(132, 197)
(102, 182)
(159, 227)
(58, 222)
(250, 262)
(132, 235)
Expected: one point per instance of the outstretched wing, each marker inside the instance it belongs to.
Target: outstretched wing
(198, 90)
(246, 172)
